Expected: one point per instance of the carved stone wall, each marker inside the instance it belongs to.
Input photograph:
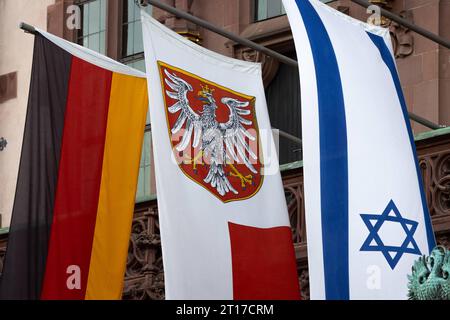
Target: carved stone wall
(293, 190)
(144, 277)
(434, 161)
(402, 38)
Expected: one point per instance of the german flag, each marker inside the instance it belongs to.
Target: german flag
(77, 179)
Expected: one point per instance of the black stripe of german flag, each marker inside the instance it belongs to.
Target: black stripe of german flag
(77, 180)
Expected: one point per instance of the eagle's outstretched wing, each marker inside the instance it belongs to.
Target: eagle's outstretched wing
(235, 132)
(187, 115)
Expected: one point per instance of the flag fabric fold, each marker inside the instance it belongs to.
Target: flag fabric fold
(224, 224)
(74, 200)
(366, 213)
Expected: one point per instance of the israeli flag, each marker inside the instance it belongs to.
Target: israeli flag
(366, 213)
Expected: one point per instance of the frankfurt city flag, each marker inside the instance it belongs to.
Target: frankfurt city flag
(223, 217)
(366, 214)
(77, 179)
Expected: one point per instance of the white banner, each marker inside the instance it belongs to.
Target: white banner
(225, 229)
(366, 214)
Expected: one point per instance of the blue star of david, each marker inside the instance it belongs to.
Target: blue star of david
(409, 245)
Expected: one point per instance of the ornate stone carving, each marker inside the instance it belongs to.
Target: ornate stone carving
(148, 287)
(402, 38)
(183, 27)
(443, 240)
(293, 190)
(144, 277)
(304, 284)
(436, 175)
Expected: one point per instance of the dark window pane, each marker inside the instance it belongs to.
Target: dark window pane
(128, 31)
(102, 14)
(262, 10)
(85, 10)
(132, 42)
(137, 12)
(138, 41)
(273, 8)
(85, 42)
(283, 98)
(129, 10)
(102, 43)
(94, 42)
(140, 191)
(147, 9)
(143, 189)
(140, 65)
(93, 34)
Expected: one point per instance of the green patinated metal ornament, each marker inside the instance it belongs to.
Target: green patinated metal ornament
(430, 278)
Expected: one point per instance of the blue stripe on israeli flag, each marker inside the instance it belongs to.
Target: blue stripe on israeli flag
(333, 155)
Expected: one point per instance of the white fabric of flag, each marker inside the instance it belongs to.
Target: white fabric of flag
(224, 224)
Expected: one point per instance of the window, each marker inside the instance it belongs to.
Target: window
(133, 56)
(144, 189)
(266, 9)
(93, 32)
(132, 43)
(283, 98)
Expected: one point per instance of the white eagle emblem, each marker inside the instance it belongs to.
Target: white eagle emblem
(225, 144)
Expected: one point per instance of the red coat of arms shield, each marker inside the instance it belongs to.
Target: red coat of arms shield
(214, 134)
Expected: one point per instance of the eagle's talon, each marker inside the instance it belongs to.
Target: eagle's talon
(248, 179)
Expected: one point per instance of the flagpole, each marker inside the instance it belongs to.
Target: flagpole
(425, 122)
(27, 28)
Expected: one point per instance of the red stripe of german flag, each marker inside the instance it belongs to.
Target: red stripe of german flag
(77, 180)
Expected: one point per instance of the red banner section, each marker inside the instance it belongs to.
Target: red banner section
(264, 265)
(79, 179)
